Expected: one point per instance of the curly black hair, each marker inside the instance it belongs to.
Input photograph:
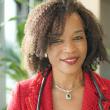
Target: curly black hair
(48, 18)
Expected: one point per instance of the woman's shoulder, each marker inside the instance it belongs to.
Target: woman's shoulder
(24, 90)
(31, 82)
(101, 78)
(104, 83)
(26, 87)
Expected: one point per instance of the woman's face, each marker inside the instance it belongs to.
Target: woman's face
(68, 53)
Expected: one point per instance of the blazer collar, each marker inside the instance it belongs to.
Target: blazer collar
(90, 97)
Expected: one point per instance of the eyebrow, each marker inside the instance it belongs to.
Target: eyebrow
(54, 34)
(78, 31)
(59, 34)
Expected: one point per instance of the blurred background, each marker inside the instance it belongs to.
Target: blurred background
(13, 14)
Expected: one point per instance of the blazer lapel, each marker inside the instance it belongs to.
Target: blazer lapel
(30, 102)
(90, 98)
(31, 99)
(46, 99)
(47, 94)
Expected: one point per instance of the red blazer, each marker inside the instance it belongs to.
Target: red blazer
(26, 93)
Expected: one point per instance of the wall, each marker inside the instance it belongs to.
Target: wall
(105, 21)
(93, 5)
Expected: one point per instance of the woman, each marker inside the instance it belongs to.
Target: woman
(63, 44)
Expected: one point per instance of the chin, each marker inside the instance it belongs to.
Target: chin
(70, 71)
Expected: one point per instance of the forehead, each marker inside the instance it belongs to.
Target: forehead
(68, 24)
(73, 23)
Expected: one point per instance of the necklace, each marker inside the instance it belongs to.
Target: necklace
(68, 95)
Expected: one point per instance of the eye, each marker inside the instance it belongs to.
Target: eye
(78, 38)
(55, 41)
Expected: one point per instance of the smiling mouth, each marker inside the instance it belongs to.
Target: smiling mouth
(70, 61)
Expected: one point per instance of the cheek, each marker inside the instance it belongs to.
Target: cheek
(52, 55)
(85, 50)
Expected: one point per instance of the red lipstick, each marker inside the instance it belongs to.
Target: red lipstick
(71, 60)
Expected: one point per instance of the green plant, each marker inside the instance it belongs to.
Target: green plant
(11, 64)
(20, 32)
(26, 2)
(10, 57)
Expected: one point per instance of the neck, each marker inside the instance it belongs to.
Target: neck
(68, 81)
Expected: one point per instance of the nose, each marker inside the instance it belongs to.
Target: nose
(69, 47)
